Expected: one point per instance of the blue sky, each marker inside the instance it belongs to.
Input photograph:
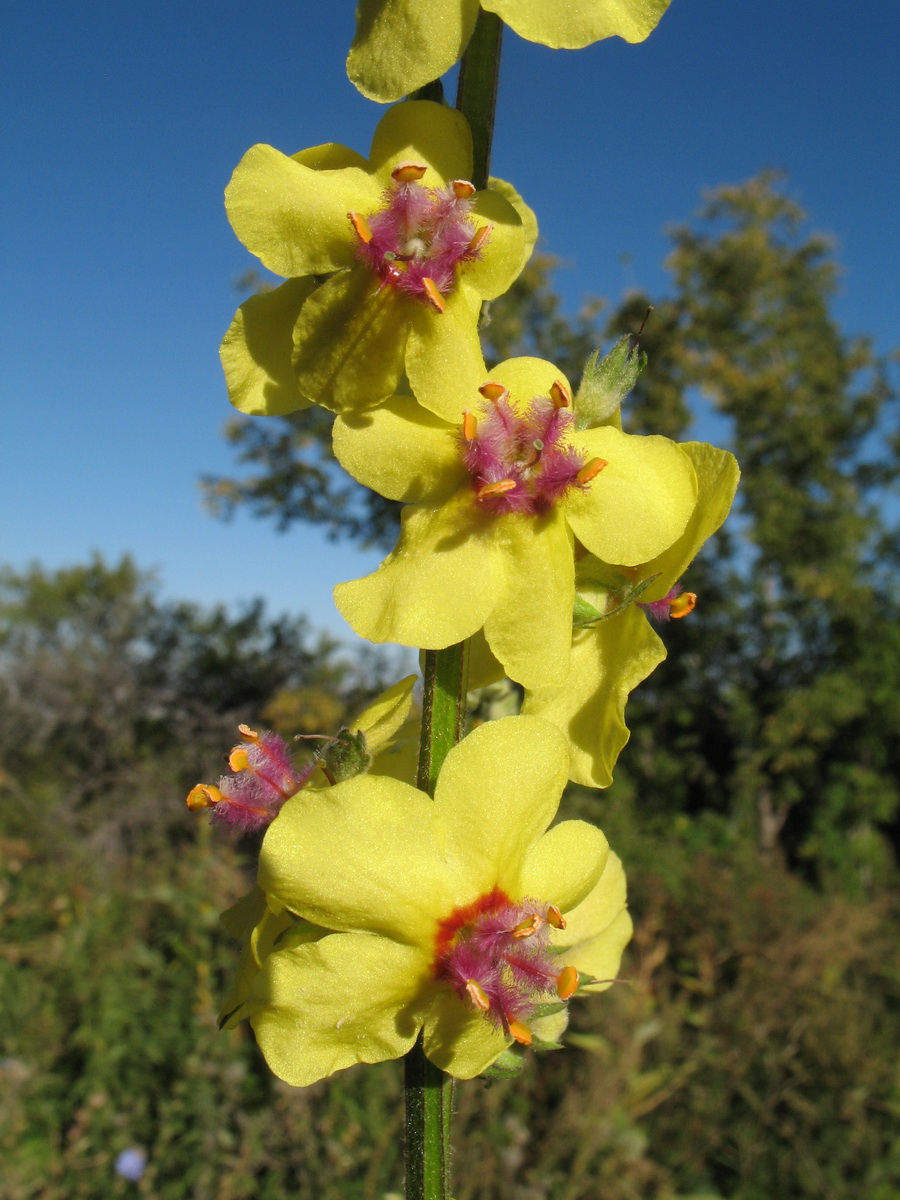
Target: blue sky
(122, 124)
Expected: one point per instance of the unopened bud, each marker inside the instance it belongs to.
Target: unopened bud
(606, 383)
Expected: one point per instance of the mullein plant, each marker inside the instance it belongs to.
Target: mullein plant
(432, 909)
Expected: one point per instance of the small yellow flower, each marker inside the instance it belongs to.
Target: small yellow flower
(445, 917)
(611, 657)
(388, 261)
(400, 45)
(495, 501)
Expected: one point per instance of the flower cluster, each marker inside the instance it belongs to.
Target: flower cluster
(533, 528)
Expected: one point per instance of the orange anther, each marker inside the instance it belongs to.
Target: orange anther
(478, 995)
(520, 1032)
(408, 172)
(480, 237)
(567, 983)
(360, 227)
(529, 927)
(555, 917)
(435, 297)
(470, 426)
(591, 470)
(248, 734)
(560, 394)
(494, 391)
(682, 605)
(462, 189)
(500, 488)
(238, 759)
(204, 795)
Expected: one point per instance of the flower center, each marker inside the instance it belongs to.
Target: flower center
(417, 241)
(523, 462)
(496, 955)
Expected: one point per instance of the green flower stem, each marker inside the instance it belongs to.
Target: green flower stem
(476, 95)
(429, 1092)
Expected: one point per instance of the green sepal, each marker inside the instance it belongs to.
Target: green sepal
(586, 615)
(347, 756)
(548, 1010)
(540, 1047)
(510, 1064)
(606, 383)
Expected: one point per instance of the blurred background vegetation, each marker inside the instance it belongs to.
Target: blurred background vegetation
(752, 1052)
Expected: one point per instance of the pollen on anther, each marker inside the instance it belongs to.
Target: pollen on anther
(529, 927)
(408, 172)
(360, 227)
(681, 605)
(566, 983)
(470, 426)
(560, 395)
(520, 1032)
(480, 237)
(478, 995)
(238, 759)
(462, 189)
(494, 391)
(500, 488)
(430, 289)
(555, 917)
(204, 795)
(248, 734)
(591, 470)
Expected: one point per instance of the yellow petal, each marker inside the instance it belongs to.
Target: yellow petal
(530, 627)
(401, 451)
(425, 132)
(506, 251)
(717, 479)
(497, 792)
(578, 23)
(565, 865)
(349, 998)
(444, 363)
(400, 45)
(607, 662)
(436, 587)
(457, 1039)
(599, 929)
(527, 378)
(384, 716)
(526, 213)
(640, 502)
(362, 856)
(294, 218)
(349, 341)
(256, 351)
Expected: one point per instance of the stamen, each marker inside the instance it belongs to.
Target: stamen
(500, 488)
(555, 917)
(408, 172)
(248, 734)
(470, 426)
(433, 295)
(462, 189)
(481, 236)
(478, 995)
(204, 795)
(591, 470)
(494, 391)
(238, 759)
(360, 227)
(520, 1032)
(560, 394)
(566, 983)
(529, 927)
(682, 605)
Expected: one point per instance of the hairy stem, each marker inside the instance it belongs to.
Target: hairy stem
(476, 95)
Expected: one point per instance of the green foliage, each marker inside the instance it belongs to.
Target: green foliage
(750, 1054)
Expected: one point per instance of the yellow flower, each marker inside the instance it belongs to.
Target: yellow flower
(495, 503)
(446, 916)
(400, 45)
(611, 657)
(409, 250)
